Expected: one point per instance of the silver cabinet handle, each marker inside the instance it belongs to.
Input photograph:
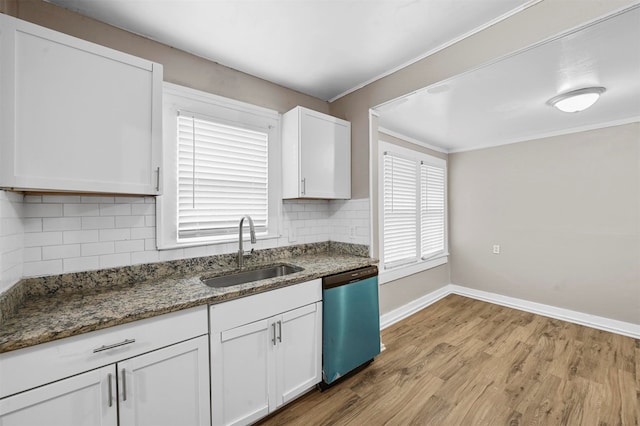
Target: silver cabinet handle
(280, 331)
(115, 345)
(124, 385)
(158, 179)
(110, 391)
(273, 326)
(304, 185)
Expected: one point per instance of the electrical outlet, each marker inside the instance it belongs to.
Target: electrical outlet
(292, 235)
(352, 231)
(496, 249)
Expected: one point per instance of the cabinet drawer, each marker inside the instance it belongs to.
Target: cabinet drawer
(37, 365)
(234, 313)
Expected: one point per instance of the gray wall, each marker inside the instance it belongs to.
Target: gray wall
(396, 294)
(566, 213)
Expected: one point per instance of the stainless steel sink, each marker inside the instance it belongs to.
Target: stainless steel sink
(249, 276)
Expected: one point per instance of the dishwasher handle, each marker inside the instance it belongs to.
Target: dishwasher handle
(349, 277)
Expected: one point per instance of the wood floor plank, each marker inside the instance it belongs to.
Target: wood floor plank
(466, 362)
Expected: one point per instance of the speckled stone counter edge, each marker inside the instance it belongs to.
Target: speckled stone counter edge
(13, 298)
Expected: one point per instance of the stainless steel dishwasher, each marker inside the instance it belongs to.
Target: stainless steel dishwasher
(350, 322)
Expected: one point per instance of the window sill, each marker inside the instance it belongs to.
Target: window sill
(216, 242)
(406, 270)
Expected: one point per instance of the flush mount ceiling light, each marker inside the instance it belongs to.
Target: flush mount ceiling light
(577, 100)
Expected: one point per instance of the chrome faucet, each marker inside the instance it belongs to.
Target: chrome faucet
(252, 231)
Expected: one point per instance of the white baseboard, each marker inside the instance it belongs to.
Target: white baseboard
(593, 321)
(412, 307)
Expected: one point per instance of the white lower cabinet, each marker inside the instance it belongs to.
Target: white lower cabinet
(166, 386)
(169, 386)
(81, 400)
(266, 350)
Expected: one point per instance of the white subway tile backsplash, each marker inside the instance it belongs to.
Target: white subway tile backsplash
(61, 223)
(40, 239)
(13, 257)
(129, 246)
(61, 251)
(70, 233)
(144, 257)
(95, 249)
(78, 264)
(32, 224)
(44, 267)
(143, 209)
(115, 209)
(199, 251)
(32, 254)
(81, 210)
(11, 225)
(166, 255)
(60, 199)
(105, 222)
(86, 236)
(131, 200)
(130, 221)
(33, 209)
(150, 243)
(97, 200)
(142, 233)
(33, 198)
(114, 260)
(118, 234)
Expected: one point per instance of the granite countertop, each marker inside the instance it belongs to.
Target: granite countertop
(79, 303)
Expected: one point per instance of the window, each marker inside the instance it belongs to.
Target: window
(412, 212)
(222, 176)
(221, 162)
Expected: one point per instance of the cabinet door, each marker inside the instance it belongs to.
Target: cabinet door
(325, 156)
(86, 399)
(169, 386)
(299, 351)
(78, 116)
(242, 371)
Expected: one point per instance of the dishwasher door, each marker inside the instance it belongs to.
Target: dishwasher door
(351, 322)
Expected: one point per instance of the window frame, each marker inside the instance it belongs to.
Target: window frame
(226, 111)
(420, 264)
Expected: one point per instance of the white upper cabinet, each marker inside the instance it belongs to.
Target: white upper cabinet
(76, 116)
(316, 155)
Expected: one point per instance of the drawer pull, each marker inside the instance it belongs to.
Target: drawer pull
(124, 385)
(115, 345)
(110, 392)
(273, 326)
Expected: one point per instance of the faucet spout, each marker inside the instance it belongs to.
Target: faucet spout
(252, 232)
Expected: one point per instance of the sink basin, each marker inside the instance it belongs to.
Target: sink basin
(249, 276)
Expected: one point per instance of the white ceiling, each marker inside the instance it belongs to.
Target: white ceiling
(505, 102)
(324, 48)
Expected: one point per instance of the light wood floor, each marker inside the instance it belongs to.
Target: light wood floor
(465, 362)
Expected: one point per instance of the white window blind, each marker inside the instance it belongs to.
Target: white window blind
(400, 210)
(432, 208)
(222, 176)
(413, 209)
